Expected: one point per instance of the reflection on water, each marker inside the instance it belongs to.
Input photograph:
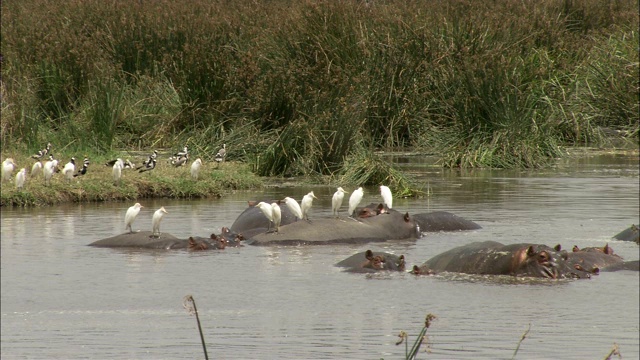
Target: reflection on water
(62, 299)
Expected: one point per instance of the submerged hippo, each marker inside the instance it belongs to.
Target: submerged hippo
(632, 233)
(370, 261)
(593, 259)
(494, 258)
(145, 240)
(373, 223)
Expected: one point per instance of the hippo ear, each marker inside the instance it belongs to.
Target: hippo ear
(406, 217)
(607, 249)
(213, 236)
(575, 248)
(415, 270)
(531, 251)
(368, 254)
(252, 203)
(557, 247)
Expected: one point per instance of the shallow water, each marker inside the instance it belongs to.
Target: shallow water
(62, 299)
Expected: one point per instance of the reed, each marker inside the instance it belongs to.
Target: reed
(454, 78)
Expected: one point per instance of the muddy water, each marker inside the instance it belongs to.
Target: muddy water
(64, 300)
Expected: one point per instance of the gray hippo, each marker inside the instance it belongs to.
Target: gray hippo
(166, 241)
(632, 233)
(372, 223)
(593, 259)
(494, 258)
(370, 261)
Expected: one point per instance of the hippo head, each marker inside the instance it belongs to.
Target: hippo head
(376, 262)
(546, 262)
(196, 246)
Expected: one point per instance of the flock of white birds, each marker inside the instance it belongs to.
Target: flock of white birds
(50, 167)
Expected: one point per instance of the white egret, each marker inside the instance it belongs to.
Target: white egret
(131, 214)
(387, 197)
(267, 210)
(305, 204)
(336, 201)
(155, 222)
(277, 215)
(355, 199)
(50, 167)
(21, 177)
(294, 207)
(36, 169)
(69, 169)
(117, 171)
(7, 169)
(195, 168)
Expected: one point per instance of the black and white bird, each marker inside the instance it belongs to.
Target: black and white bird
(83, 170)
(42, 152)
(182, 153)
(179, 161)
(147, 162)
(222, 154)
(149, 166)
(69, 169)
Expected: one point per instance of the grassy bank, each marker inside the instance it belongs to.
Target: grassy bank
(298, 87)
(164, 181)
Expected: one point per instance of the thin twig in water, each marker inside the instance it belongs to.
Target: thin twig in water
(520, 342)
(416, 346)
(190, 305)
(614, 351)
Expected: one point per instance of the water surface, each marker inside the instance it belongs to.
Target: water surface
(64, 300)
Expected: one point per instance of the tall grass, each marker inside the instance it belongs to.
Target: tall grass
(292, 86)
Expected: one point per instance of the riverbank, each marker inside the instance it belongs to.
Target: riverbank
(165, 181)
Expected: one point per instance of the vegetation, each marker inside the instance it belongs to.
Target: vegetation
(98, 185)
(300, 87)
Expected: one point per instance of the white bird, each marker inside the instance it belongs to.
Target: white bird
(69, 169)
(157, 216)
(277, 215)
(355, 199)
(131, 214)
(49, 169)
(267, 210)
(294, 207)
(336, 201)
(387, 197)
(36, 169)
(21, 177)
(117, 171)
(306, 203)
(222, 153)
(7, 169)
(195, 168)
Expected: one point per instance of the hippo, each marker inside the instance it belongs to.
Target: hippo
(372, 223)
(369, 261)
(494, 258)
(166, 241)
(593, 259)
(632, 233)
(632, 265)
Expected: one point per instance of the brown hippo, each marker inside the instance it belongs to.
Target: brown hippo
(369, 261)
(593, 259)
(494, 258)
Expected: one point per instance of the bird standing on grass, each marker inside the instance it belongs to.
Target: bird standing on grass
(131, 214)
(222, 154)
(21, 177)
(50, 167)
(305, 204)
(69, 169)
(36, 169)
(195, 168)
(294, 207)
(387, 197)
(277, 215)
(150, 166)
(83, 169)
(149, 160)
(355, 199)
(336, 200)
(42, 152)
(8, 166)
(267, 210)
(155, 222)
(116, 171)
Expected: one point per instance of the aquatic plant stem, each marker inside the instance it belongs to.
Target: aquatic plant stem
(189, 299)
(520, 342)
